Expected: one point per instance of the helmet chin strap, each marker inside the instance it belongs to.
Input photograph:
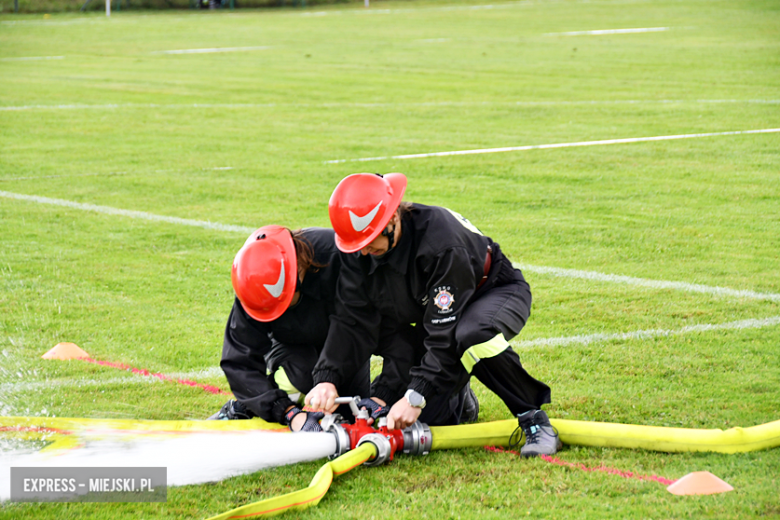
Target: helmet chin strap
(390, 237)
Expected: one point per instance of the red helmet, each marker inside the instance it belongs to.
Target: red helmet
(265, 273)
(362, 205)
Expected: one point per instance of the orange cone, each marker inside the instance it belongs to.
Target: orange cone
(65, 351)
(699, 483)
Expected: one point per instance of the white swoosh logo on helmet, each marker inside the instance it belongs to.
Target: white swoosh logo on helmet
(361, 223)
(276, 289)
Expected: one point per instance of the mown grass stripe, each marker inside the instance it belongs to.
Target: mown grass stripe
(113, 106)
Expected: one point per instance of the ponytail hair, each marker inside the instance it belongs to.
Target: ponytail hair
(305, 253)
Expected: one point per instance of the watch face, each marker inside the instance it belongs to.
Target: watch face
(415, 399)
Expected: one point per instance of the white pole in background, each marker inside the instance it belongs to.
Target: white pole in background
(366, 3)
(108, 7)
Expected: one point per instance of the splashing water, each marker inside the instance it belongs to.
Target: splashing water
(191, 458)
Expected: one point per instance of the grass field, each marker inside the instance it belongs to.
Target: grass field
(102, 131)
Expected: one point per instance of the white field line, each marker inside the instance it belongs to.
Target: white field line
(212, 50)
(650, 284)
(32, 386)
(556, 145)
(565, 341)
(167, 19)
(418, 10)
(610, 31)
(60, 176)
(432, 40)
(6, 388)
(108, 174)
(34, 58)
(23, 23)
(114, 106)
(553, 271)
(559, 272)
(107, 210)
(648, 334)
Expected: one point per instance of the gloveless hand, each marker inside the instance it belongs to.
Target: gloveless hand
(402, 415)
(323, 398)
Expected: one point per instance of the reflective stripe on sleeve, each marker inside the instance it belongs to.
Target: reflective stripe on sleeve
(284, 383)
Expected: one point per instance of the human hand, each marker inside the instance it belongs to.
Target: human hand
(322, 398)
(402, 415)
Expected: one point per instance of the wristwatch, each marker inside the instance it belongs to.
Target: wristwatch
(415, 398)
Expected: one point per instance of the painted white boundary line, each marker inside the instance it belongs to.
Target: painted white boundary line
(107, 210)
(553, 271)
(34, 178)
(556, 145)
(648, 334)
(34, 58)
(611, 31)
(651, 284)
(432, 40)
(6, 388)
(129, 380)
(114, 106)
(418, 10)
(566, 341)
(212, 50)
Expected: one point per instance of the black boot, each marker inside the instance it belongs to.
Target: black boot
(231, 411)
(470, 413)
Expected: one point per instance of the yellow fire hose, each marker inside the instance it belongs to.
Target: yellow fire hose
(582, 433)
(497, 433)
(309, 496)
(610, 435)
(655, 438)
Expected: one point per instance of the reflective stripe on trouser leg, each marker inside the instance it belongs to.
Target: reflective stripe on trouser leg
(284, 383)
(488, 349)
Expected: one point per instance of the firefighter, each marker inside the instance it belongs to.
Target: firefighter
(428, 266)
(285, 283)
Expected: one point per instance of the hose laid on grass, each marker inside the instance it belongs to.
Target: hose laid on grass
(582, 433)
(610, 435)
(306, 497)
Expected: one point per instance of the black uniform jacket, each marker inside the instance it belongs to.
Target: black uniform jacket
(248, 341)
(428, 279)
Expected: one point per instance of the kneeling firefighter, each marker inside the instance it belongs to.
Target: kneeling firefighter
(430, 267)
(285, 284)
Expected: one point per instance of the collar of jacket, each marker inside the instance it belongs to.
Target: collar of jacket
(398, 257)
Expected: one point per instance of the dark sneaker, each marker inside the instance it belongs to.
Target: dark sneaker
(232, 410)
(540, 436)
(470, 413)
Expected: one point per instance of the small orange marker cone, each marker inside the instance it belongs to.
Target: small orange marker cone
(699, 483)
(65, 351)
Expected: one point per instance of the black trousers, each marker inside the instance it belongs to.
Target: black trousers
(483, 338)
(482, 342)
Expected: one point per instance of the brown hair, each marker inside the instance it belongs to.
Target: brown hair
(305, 252)
(404, 208)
